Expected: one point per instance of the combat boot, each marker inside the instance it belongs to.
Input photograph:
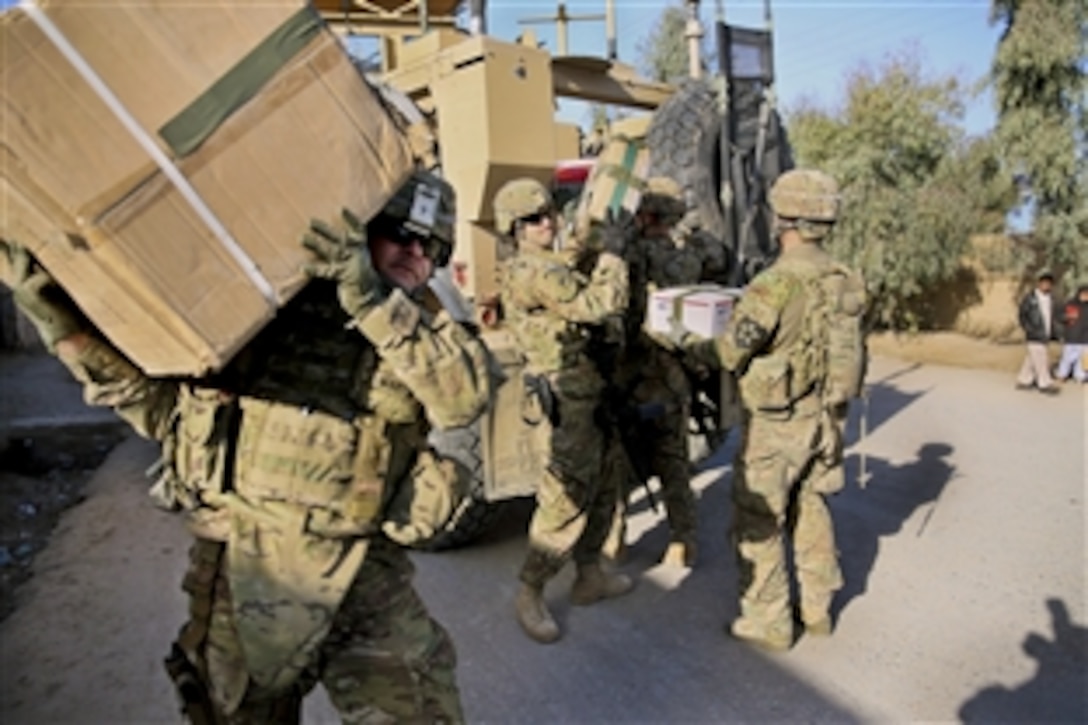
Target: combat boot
(681, 551)
(533, 615)
(772, 639)
(616, 551)
(819, 627)
(594, 584)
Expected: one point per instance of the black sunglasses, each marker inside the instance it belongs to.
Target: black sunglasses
(402, 236)
(536, 218)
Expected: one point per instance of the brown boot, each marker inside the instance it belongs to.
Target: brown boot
(533, 615)
(819, 627)
(772, 639)
(681, 552)
(594, 584)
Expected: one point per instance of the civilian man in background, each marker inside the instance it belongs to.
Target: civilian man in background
(1039, 318)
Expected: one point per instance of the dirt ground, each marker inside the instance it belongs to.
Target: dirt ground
(951, 349)
(36, 485)
(38, 481)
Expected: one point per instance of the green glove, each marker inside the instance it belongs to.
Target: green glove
(37, 294)
(346, 259)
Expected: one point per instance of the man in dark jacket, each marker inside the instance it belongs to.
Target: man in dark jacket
(1039, 318)
(1075, 345)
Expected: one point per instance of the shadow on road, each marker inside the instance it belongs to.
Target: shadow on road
(864, 516)
(882, 402)
(1059, 690)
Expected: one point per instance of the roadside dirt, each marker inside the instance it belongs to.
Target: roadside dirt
(952, 350)
(39, 480)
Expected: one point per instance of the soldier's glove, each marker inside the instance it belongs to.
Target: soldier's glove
(614, 233)
(345, 257)
(37, 294)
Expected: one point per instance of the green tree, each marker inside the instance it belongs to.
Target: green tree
(663, 54)
(1039, 81)
(914, 187)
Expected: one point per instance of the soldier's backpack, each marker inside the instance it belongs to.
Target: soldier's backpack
(833, 340)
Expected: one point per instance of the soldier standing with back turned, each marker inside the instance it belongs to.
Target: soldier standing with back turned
(551, 308)
(795, 343)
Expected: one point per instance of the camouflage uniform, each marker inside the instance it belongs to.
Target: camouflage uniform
(302, 466)
(551, 309)
(790, 455)
(548, 306)
(648, 374)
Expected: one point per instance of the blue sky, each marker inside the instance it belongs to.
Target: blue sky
(817, 42)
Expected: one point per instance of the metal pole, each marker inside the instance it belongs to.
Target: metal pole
(610, 28)
(694, 33)
(562, 20)
(561, 29)
(424, 18)
(477, 23)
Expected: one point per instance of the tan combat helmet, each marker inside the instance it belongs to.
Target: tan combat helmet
(424, 206)
(665, 198)
(806, 200)
(518, 199)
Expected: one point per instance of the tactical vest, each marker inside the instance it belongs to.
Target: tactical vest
(820, 356)
(305, 415)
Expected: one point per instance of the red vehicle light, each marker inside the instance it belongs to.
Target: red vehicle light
(573, 172)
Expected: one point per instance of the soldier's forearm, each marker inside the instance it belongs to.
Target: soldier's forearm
(110, 380)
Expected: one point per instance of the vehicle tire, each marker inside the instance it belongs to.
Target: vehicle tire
(474, 514)
(684, 140)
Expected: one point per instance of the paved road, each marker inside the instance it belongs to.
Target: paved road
(965, 561)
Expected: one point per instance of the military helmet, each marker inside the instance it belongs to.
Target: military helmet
(517, 199)
(664, 197)
(806, 194)
(424, 207)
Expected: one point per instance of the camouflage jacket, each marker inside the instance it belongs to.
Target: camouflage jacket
(766, 338)
(550, 306)
(408, 369)
(299, 450)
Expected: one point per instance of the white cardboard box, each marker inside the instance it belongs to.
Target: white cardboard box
(706, 313)
(703, 310)
(661, 310)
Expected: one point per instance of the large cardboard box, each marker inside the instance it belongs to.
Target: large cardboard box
(615, 184)
(162, 159)
(703, 310)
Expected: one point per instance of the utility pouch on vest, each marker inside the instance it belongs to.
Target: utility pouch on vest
(310, 459)
(356, 510)
(195, 452)
(766, 385)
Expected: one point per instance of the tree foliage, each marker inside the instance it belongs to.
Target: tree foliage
(1039, 80)
(663, 54)
(914, 187)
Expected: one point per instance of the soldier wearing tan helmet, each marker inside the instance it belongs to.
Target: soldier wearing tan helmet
(794, 342)
(650, 393)
(550, 309)
(302, 468)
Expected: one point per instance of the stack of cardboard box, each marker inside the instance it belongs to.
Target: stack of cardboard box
(162, 159)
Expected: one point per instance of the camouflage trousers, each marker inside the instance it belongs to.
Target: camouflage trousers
(384, 660)
(575, 500)
(661, 442)
(778, 499)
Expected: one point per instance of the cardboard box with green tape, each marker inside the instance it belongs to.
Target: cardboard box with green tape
(163, 158)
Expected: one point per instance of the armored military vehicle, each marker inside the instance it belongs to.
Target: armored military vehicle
(483, 110)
